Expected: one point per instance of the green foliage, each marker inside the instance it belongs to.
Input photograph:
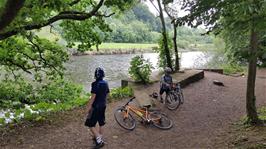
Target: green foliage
(142, 13)
(233, 20)
(32, 55)
(84, 34)
(233, 68)
(140, 69)
(14, 93)
(40, 110)
(82, 22)
(138, 25)
(134, 32)
(119, 93)
(121, 4)
(262, 113)
(59, 91)
(188, 37)
(242, 24)
(126, 46)
(2, 121)
(237, 27)
(162, 55)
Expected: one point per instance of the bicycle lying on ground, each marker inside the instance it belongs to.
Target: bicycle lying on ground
(123, 116)
(174, 97)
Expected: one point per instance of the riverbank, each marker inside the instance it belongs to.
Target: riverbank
(119, 48)
(203, 120)
(115, 51)
(131, 48)
(42, 110)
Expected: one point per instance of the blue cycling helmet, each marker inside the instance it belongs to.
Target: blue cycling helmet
(99, 73)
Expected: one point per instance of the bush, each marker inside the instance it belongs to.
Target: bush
(15, 93)
(59, 91)
(39, 111)
(119, 93)
(140, 69)
(232, 68)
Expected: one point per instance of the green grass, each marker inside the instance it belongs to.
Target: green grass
(262, 113)
(126, 46)
(45, 33)
(53, 36)
(245, 136)
(233, 69)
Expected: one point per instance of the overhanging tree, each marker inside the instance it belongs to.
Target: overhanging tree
(9, 12)
(22, 49)
(240, 19)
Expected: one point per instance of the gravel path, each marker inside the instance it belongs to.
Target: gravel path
(205, 117)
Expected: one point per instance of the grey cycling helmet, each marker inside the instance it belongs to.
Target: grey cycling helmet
(167, 70)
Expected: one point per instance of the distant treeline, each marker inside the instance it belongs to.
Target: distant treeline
(139, 25)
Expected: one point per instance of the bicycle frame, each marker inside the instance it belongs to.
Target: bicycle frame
(139, 112)
(143, 114)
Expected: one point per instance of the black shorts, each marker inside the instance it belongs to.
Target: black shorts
(96, 115)
(162, 90)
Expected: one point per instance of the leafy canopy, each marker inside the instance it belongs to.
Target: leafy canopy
(22, 49)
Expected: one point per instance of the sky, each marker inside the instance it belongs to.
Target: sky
(155, 12)
(180, 13)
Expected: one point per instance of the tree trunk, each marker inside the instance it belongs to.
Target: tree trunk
(97, 47)
(10, 11)
(177, 67)
(166, 48)
(252, 66)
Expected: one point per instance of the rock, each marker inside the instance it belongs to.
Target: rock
(216, 82)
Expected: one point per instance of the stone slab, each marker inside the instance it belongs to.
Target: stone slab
(141, 92)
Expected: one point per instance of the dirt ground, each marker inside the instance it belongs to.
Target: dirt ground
(203, 121)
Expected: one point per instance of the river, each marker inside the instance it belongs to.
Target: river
(80, 69)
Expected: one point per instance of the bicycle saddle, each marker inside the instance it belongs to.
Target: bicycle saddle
(147, 106)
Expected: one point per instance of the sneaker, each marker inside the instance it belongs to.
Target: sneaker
(99, 145)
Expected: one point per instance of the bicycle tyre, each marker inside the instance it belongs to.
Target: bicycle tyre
(163, 123)
(181, 97)
(172, 101)
(128, 123)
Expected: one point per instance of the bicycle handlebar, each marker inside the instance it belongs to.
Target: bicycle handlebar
(130, 100)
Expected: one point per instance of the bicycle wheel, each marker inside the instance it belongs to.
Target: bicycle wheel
(163, 122)
(181, 96)
(125, 122)
(172, 101)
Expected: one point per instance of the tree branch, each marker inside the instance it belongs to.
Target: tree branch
(67, 15)
(74, 2)
(168, 13)
(34, 45)
(10, 11)
(18, 65)
(104, 15)
(155, 6)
